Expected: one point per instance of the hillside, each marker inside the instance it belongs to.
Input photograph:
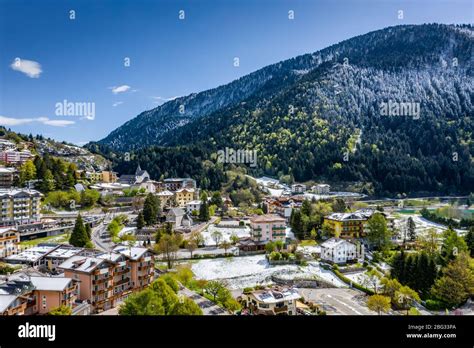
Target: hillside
(321, 115)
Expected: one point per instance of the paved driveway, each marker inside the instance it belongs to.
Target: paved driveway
(338, 301)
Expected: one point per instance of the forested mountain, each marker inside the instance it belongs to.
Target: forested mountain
(321, 116)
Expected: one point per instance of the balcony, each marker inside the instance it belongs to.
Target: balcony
(279, 310)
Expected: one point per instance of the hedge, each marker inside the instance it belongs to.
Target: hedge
(349, 282)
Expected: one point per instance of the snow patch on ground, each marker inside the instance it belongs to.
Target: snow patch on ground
(241, 272)
(226, 233)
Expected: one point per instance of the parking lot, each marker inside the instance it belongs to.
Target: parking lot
(338, 301)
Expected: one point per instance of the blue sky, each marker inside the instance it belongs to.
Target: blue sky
(82, 60)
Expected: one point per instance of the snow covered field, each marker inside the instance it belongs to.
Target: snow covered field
(226, 233)
(241, 272)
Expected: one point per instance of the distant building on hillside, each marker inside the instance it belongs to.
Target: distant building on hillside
(321, 189)
(135, 179)
(15, 157)
(19, 206)
(7, 177)
(298, 188)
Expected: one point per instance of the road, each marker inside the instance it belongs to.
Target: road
(208, 307)
(338, 301)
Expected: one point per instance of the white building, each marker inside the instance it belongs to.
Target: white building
(336, 250)
(193, 206)
(321, 189)
(274, 301)
(298, 188)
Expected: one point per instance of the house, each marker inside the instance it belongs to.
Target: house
(103, 176)
(19, 206)
(298, 188)
(273, 301)
(179, 218)
(340, 251)
(268, 227)
(9, 240)
(321, 189)
(7, 177)
(166, 198)
(193, 206)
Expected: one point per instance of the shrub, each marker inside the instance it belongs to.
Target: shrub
(435, 305)
(248, 290)
(172, 283)
(275, 255)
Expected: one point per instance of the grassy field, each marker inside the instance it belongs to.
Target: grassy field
(60, 238)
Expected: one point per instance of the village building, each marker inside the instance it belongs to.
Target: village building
(7, 177)
(9, 241)
(341, 251)
(274, 301)
(298, 188)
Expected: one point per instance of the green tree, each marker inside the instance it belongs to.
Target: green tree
(452, 245)
(469, 239)
(297, 224)
(379, 303)
(151, 209)
(47, 184)
(172, 283)
(168, 246)
(226, 245)
(186, 307)
(191, 245)
(88, 230)
(411, 229)
(270, 247)
(378, 234)
(216, 199)
(217, 237)
(406, 297)
(204, 214)
(27, 172)
(213, 288)
(145, 302)
(79, 237)
(456, 284)
(140, 221)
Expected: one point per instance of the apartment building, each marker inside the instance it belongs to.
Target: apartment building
(353, 225)
(103, 176)
(9, 240)
(105, 279)
(19, 206)
(184, 196)
(29, 294)
(298, 188)
(174, 184)
(7, 177)
(273, 301)
(268, 227)
(321, 189)
(142, 265)
(15, 157)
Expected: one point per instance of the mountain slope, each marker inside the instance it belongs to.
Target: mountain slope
(320, 115)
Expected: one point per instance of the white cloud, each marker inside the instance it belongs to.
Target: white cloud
(165, 99)
(28, 67)
(10, 121)
(119, 89)
(117, 103)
